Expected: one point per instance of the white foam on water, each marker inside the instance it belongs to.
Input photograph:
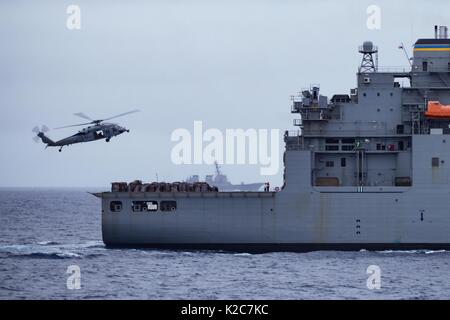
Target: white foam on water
(435, 251)
(244, 254)
(38, 250)
(52, 249)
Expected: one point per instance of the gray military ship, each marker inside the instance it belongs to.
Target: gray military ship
(221, 181)
(365, 170)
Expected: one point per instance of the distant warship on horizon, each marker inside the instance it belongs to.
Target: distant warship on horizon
(221, 181)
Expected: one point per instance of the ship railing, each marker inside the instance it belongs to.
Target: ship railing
(391, 69)
(355, 132)
(295, 107)
(293, 140)
(292, 133)
(399, 69)
(438, 69)
(415, 101)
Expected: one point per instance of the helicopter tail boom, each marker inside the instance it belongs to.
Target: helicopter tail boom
(40, 133)
(47, 140)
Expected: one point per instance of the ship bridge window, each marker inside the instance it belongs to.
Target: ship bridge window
(332, 144)
(425, 66)
(348, 144)
(168, 205)
(115, 206)
(144, 206)
(329, 164)
(348, 147)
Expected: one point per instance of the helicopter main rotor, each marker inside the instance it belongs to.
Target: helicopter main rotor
(96, 122)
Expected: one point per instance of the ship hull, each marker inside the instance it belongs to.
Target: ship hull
(283, 221)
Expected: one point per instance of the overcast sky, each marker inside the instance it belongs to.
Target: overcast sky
(230, 64)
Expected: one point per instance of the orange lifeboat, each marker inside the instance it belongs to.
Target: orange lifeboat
(437, 110)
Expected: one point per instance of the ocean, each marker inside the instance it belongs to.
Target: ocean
(44, 233)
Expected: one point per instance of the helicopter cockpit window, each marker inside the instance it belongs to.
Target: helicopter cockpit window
(143, 206)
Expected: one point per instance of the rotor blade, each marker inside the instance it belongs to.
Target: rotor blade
(35, 129)
(73, 125)
(122, 114)
(82, 115)
(44, 128)
(36, 139)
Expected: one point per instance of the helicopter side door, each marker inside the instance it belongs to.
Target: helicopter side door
(107, 133)
(91, 135)
(98, 134)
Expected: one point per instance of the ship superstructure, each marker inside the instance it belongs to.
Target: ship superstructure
(368, 169)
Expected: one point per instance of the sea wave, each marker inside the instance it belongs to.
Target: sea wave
(53, 250)
(243, 254)
(418, 251)
(45, 243)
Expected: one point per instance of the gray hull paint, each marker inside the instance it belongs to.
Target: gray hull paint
(310, 218)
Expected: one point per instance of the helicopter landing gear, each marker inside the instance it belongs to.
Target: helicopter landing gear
(107, 139)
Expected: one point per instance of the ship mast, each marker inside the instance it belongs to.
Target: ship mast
(217, 168)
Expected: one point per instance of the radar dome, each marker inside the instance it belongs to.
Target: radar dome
(368, 46)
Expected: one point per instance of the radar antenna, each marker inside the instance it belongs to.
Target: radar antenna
(368, 64)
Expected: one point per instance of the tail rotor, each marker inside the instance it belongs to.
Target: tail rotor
(39, 132)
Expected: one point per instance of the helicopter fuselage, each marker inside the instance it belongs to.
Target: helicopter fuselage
(91, 133)
(96, 130)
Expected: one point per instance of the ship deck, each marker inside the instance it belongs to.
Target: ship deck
(220, 194)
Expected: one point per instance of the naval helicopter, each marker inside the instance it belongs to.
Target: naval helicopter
(95, 130)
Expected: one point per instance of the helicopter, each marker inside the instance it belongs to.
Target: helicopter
(95, 130)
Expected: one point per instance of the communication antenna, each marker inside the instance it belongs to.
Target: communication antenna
(402, 47)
